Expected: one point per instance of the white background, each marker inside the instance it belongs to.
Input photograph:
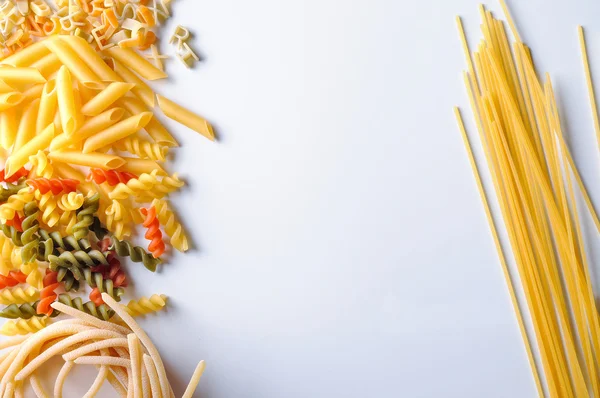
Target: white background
(342, 249)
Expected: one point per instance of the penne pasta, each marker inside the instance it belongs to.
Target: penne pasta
(141, 166)
(154, 128)
(106, 98)
(21, 156)
(136, 63)
(9, 100)
(89, 128)
(90, 57)
(69, 58)
(47, 65)
(33, 92)
(27, 56)
(8, 128)
(116, 132)
(99, 160)
(66, 101)
(186, 117)
(21, 75)
(6, 88)
(26, 130)
(48, 106)
(141, 89)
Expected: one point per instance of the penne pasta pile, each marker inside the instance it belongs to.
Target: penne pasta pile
(84, 173)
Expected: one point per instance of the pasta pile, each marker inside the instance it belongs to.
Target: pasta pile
(532, 174)
(84, 173)
(123, 354)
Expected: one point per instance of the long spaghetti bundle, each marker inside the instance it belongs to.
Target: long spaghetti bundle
(533, 176)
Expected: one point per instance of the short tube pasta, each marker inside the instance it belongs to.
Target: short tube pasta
(21, 75)
(141, 89)
(8, 128)
(48, 105)
(154, 128)
(9, 100)
(27, 56)
(20, 157)
(106, 98)
(90, 57)
(116, 132)
(89, 128)
(185, 117)
(26, 130)
(69, 58)
(136, 63)
(47, 65)
(99, 160)
(66, 101)
(141, 166)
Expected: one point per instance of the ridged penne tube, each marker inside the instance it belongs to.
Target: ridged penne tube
(136, 63)
(141, 89)
(26, 130)
(89, 128)
(66, 101)
(47, 65)
(27, 56)
(19, 158)
(9, 100)
(106, 98)
(141, 166)
(69, 58)
(48, 106)
(21, 75)
(90, 57)
(100, 160)
(116, 132)
(33, 92)
(154, 128)
(186, 117)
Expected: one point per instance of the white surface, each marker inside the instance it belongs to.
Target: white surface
(343, 247)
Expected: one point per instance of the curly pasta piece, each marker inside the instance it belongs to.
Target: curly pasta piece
(24, 311)
(23, 326)
(16, 221)
(99, 311)
(22, 172)
(12, 279)
(145, 305)
(54, 185)
(98, 229)
(6, 252)
(118, 219)
(18, 295)
(48, 205)
(15, 203)
(77, 258)
(146, 187)
(42, 166)
(85, 216)
(68, 242)
(29, 237)
(48, 294)
(67, 278)
(156, 246)
(136, 253)
(171, 225)
(70, 201)
(97, 280)
(34, 275)
(67, 222)
(112, 177)
(10, 190)
(12, 234)
(142, 148)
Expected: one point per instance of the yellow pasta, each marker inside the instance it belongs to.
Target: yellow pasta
(18, 295)
(23, 326)
(154, 128)
(21, 75)
(141, 166)
(99, 160)
(47, 65)
(116, 132)
(15, 203)
(91, 58)
(8, 128)
(171, 225)
(27, 56)
(141, 148)
(66, 101)
(141, 89)
(33, 92)
(90, 127)
(19, 158)
(106, 98)
(186, 117)
(48, 106)
(48, 205)
(136, 63)
(9, 100)
(69, 58)
(26, 130)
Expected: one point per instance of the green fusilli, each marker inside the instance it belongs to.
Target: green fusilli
(85, 216)
(102, 311)
(23, 311)
(29, 237)
(136, 253)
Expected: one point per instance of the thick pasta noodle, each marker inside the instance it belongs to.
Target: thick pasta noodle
(10, 100)
(117, 132)
(186, 117)
(66, 101)
(106, 98)
(26, 130)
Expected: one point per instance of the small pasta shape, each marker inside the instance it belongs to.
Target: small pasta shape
(15, 203)
(34, 275)
(118, 219)
(142, 148)
(54, 185)
(85, 216)
(146, 187)
(18, 295)
(112, 177)
(67, 221)
(10, 190)
(6, 250)
(48, 205)
(12, 234)
(70, 201)
(77, 258)
(136, 253)
(23, 326)
(12, 279)
(16, 176)
(29, 237)
(171, 225)
(48, 294)
(145, 305)
(156, 246)
(23, 311)
(41, 165)
(101, 311)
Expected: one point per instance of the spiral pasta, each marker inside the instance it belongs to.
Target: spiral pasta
(29, 237)
(114, 271)
(18, 295)
(118, 219)
(12, 279)
(85, 216)
(146, 187)
(67, 222)
(11, 189)
(112, 177)
(17, 175)
(23, 326)
(48, 205)
(77, 258)
(68, 242)
(54, 185)
(34, 275)
(97, 280)
(70, 201)
(12, 234)
(142, 148)
(145, 305)
(136, 253)
(16, 222)
(101, 311)
(48, 294)
(6, 249)
(171, 225)
(67, 278)
(15, 203)
(156, 246)
(41, 165)
(24, 311)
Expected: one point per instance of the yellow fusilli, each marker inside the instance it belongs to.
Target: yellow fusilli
(34, 275)
(145, 305)
(18, 295)
(70, 201)
(147, 187)
(142, 148)
(42, 166)
(6, 250)
(15, 203)
(172, 227)
(118, 219)
(24, 326)
(48, 206)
